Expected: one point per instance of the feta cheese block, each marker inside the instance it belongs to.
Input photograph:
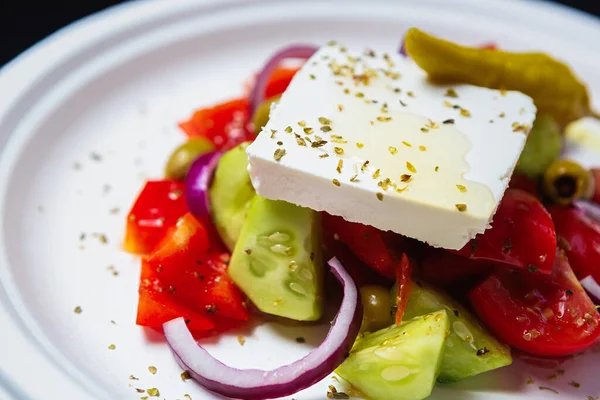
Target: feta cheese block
(367, 137)
(582, 142)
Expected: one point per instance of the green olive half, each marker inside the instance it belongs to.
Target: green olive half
(565, 181)
(261, 115)
(377, 308)
(182, 158)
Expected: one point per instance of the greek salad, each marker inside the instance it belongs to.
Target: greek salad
(447, 194)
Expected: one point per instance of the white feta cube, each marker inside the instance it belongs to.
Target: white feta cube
(369, 138)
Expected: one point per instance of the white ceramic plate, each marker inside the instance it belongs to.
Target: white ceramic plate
(106, 94)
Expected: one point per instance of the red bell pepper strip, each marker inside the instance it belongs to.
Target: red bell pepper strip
(403, 275)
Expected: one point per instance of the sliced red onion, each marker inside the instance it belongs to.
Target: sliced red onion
(592, 288)
(254, 384)
(197, 182)
(402, 49)
(257, 93)
(591, 210)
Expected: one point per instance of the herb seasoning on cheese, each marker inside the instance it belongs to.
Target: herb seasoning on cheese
(438, 168)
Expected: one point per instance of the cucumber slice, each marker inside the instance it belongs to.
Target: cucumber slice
(230, 194)
(277, 260)
(470, 349)
(400, 362)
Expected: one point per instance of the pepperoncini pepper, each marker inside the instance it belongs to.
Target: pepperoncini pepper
(551, 83)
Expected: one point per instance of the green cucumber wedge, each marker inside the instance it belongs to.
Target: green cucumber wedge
(277, 260)
(470, 349)
(230, 194)
(400, 362)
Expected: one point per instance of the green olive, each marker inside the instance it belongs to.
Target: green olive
(377, 308)
(261, 115)
(542, 148)
(565, 181)
(182, 158)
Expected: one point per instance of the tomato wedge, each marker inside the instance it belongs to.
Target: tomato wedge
(157, 306)
(596, 176)
(155, 210)
(523, 182)
(443, 268)
(403, 280)
(279, 81)
(360, 273)
(224, 124)
(194, 275)
(545, 315)
(365, 241)
(522, 235)
(579, 236)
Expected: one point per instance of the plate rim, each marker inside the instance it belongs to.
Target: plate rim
(24, 72)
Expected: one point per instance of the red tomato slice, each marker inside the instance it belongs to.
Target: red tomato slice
(195, 277)
(365, 241)
(443, 268)
(156, 209)
(545, 315)
(596, 176)
(224, 124)
(279, 81)
(523, 182)
(579, 236)
(360, 273)
(522, 235)
(403, 279)
(157, 306)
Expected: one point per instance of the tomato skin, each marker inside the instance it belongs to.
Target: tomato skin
(596, 178)
(360, 273)
(523, 182)
(519, 219)
(195, 273)
(156, 209)
(579, 236)
(157, 306)
(365, 241)
(545, 315)
(227, 124)
(443, 268)
(403, 279)
(279, 81)
(224, 124)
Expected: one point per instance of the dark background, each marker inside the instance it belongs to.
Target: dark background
(25, 22)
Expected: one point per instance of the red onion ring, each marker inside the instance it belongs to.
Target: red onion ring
(402, 49)
(592, 288)
(257, 93)
(255, 384)
(198, 181)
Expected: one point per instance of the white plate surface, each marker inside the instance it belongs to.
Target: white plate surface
(114, 86)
